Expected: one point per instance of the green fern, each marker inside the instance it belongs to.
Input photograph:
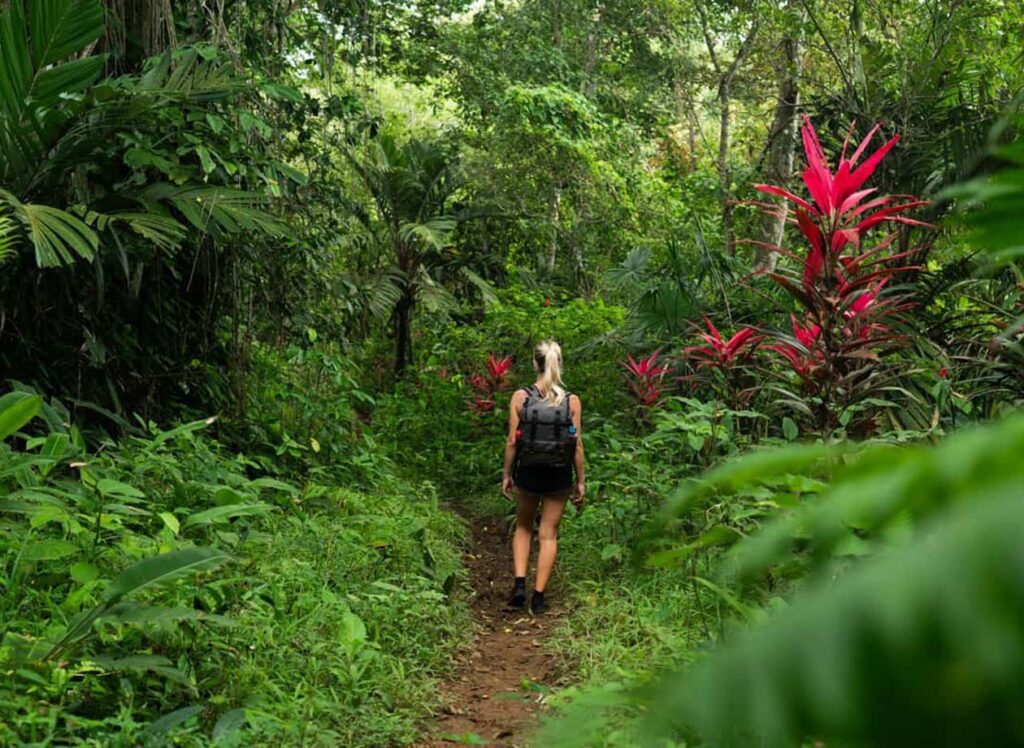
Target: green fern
(7, 238)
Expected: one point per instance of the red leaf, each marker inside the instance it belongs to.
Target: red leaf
(812, 268)
(779, 191)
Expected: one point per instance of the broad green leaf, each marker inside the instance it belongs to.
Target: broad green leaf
(205, 159)
(169, 721)
(110, 487)
(49, 550)
(280, 91)
(789, 428)
(83, 572)
(754, 466)
(163, 568)
(141, 615)
(229, 722)
(224, 513)
(171, 522)
(353, 630)
(17, 409)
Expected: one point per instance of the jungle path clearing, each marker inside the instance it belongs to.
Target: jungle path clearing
(495, 697)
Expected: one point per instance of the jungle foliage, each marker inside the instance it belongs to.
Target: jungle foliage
(269, 272)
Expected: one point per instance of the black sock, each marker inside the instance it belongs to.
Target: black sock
(520, 583)
(538, 594)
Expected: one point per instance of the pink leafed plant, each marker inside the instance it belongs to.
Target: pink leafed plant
(489, 383)
(842, 278)
(726, 361)
(721, 353)
(645, 379)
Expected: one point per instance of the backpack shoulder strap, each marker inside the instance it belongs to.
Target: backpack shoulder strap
(530, 394)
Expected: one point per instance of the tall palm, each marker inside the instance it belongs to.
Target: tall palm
(411, 185)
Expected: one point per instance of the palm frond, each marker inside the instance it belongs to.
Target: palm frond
(631, 272)
(484, 286)
(32, 77)
(8, 238)
(217, 210)
(383, 293)
(164, 231)
(435, 297)
(435, 232)
(57, 236)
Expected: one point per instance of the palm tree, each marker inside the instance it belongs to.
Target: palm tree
(410, 185)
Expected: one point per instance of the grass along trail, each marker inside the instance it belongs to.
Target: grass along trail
(496, 695)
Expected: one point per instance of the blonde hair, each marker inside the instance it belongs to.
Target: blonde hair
(547, 360)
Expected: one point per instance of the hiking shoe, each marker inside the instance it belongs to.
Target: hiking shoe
(537, 604)
(517, 600)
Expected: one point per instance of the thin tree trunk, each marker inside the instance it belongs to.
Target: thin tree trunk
(781, 147)
(556, 24)
(588, 85)
(725, 79)
(403, 329)
(724, 99)
(554, 218)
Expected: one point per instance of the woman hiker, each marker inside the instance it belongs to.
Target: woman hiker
(542, 448)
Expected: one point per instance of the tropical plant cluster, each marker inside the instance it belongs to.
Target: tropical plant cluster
(271, 271)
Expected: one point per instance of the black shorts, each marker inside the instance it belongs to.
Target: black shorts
(544, 479)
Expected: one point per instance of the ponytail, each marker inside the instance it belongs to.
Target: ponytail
(548, 359)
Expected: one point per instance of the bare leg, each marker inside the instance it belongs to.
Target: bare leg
(550, 517)
(526, 510)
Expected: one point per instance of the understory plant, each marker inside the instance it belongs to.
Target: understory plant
(845, 285)
(644, 378)
(160, 590)
(487, 385)
(726, 363)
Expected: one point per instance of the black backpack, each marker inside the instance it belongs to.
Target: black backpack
(546, 434)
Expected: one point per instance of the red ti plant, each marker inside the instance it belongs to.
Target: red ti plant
(645, 379)
(840, 280)
(726, 360)
(486, 385)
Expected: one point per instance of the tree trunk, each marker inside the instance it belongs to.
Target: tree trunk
(781, 147)
(403, 329)
(725, 79)
(724, 98)
(588, 85)
(556, 24)
(554, 218)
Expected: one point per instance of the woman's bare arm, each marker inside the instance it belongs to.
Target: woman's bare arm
(514, 406)
(577, 419)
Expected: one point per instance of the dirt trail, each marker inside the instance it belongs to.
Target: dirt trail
(495, 694)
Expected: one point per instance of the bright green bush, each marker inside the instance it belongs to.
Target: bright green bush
(154, 586)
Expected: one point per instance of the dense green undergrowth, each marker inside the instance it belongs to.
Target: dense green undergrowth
(160, 587)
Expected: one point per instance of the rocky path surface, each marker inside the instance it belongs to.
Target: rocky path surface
(497, 694)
